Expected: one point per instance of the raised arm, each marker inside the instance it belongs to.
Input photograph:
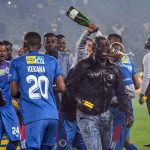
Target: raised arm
(81, 45)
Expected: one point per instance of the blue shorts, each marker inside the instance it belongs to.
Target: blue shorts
(118, 116)
(68, 134)
(120, 133)
(39, 133)
(9, 124)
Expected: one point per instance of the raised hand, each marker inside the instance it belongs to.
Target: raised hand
(92, 28)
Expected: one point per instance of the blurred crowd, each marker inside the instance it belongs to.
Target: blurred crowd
(130, 19)
(92, 77)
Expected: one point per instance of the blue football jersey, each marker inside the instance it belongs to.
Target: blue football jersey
(35, 74)
(4, 84)
(127, 69)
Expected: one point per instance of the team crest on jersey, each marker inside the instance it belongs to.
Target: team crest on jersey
(62, 143)
(35, 59)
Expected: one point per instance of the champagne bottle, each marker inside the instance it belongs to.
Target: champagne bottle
(78, 17)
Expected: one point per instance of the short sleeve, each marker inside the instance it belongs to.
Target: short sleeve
(13, 76)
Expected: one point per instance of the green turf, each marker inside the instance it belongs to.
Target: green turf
(140, 132)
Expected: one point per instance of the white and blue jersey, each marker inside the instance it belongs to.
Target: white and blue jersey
(35, 74)
(4, 85)
(9, 123)
(127, 70)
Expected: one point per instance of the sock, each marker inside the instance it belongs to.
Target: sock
(11, 146)
(131, 147)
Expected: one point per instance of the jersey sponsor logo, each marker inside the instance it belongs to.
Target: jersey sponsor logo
(35, 60)
(125, 60)
(4, 71)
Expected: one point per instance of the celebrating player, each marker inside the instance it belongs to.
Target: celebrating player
(9, 123)
(35, 74)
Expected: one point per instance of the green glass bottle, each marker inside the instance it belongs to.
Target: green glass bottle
(78, 17)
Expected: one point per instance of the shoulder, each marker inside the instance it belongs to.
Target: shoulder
(147, 56)
(146, 59)
(85, 63)
(18, 59)
(49, 58)
(7, 62)
(114, 66)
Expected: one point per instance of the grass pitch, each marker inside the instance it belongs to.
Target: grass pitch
(140, 132)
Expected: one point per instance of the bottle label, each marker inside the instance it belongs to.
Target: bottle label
(73, 14)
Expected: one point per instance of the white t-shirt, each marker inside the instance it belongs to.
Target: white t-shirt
(146, 76)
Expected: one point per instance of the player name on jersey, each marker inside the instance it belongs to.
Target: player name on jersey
(36, 69)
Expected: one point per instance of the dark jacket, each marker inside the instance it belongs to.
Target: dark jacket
(67, 105)
(96, 83)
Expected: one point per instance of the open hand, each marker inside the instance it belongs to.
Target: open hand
(142, 98)
(128, 120)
